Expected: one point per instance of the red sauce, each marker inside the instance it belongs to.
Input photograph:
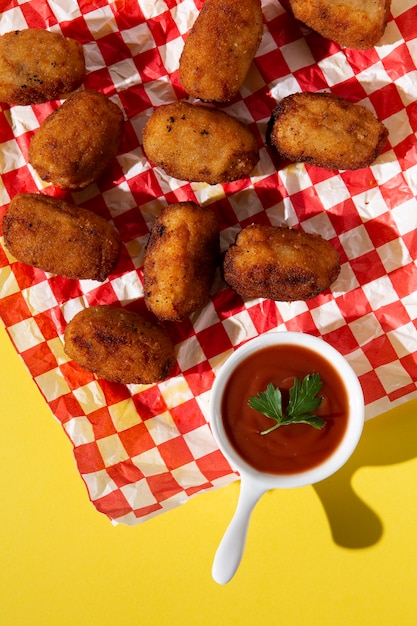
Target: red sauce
(296, 447)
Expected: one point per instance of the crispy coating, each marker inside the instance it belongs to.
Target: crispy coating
(357, 24)
(60, 238)
(180, 260)
(38, 65)
(119, 345)
(326, 131)
(78, 141)
(199, 144)
(219, 49)
(280, 263)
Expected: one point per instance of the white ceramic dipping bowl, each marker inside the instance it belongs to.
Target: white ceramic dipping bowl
(255, 483)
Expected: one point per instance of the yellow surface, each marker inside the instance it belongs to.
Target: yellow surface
(341, 553)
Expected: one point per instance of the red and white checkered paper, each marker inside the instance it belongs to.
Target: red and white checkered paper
(142, 450)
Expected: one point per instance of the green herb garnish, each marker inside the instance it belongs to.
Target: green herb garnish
(303, 401)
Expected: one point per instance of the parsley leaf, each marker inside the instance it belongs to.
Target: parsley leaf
(268, 402)
(303, 400)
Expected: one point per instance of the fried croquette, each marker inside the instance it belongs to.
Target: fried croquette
(60, 238)
(180, 260)
(280, 263)
(199, 143)
(357, 24)
(326, 131)
(78, 141)
(119, 345)
(38, 65)
(219, 49)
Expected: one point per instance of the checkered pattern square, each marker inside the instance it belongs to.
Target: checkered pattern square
(144, 449)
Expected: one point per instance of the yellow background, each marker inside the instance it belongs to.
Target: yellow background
(341, 553)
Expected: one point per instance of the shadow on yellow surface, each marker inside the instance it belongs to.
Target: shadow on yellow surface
(385, 441)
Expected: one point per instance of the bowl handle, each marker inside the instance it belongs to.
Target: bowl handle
(230, 551)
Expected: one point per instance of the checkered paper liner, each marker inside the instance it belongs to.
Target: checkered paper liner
(143, 449)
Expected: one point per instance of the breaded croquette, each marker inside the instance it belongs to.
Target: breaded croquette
(78, 141)
(280, 263)
(119, 345)
(326, 131)
(357, 24)
(39, 65)
(219, 49)
(60, 238)
(180, 260)
(199, 143)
